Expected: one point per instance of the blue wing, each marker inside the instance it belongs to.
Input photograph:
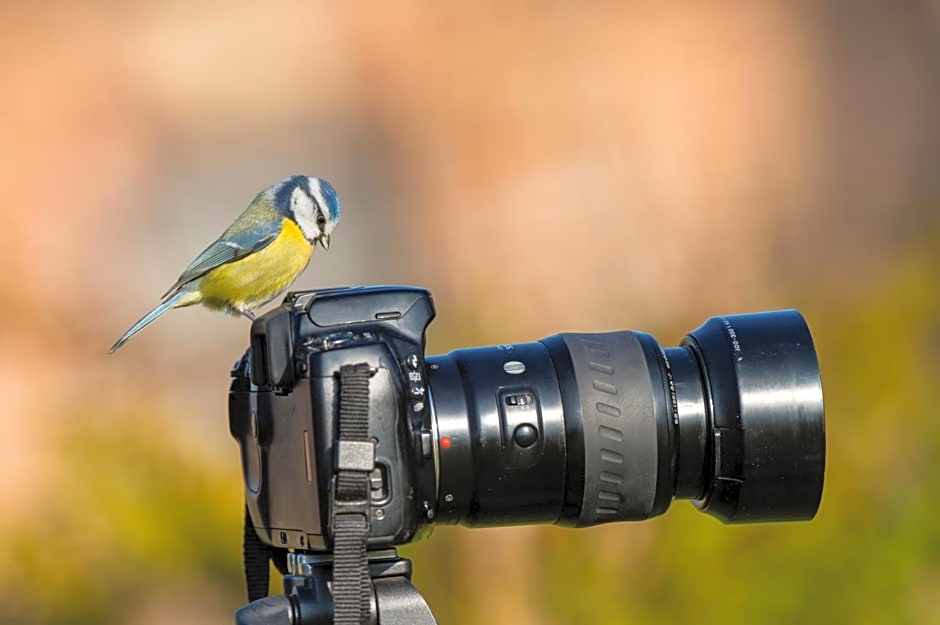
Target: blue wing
(234, 244)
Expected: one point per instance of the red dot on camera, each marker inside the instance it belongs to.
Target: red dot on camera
(445, 442)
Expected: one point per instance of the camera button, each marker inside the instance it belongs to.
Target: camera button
(525, 435)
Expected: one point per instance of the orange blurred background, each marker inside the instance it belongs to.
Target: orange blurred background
(540, 167)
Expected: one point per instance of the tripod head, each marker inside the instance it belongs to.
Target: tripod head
(307, 598)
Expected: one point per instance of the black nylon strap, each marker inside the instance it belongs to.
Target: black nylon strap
(350, 519)
(256, 553)
(354, 402)
(351, 589)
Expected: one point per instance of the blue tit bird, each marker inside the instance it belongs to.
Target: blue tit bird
(259, 255)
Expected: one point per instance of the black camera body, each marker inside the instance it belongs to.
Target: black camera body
(283, 412)
(574, 429)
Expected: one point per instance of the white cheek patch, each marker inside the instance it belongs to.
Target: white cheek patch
(318, 196)
(304, 211)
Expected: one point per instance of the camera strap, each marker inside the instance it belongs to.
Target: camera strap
(257, 558)
(256, 555)
(351, 507)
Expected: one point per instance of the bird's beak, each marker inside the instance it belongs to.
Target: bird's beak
(324, 240)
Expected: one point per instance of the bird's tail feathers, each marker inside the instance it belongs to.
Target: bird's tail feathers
(180, 298)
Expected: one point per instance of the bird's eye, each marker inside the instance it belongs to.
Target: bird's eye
(321, 221)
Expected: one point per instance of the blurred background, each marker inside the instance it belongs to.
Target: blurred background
(541, 167)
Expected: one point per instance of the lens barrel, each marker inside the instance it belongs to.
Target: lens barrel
(581, 429)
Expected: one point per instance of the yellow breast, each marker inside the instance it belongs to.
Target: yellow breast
(260, 277)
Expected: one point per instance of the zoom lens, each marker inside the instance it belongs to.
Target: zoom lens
(581, 429)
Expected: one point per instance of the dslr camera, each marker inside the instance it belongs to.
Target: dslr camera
(354, 441)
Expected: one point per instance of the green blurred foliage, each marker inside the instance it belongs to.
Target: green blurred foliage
(872, 555)
(145, 509)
